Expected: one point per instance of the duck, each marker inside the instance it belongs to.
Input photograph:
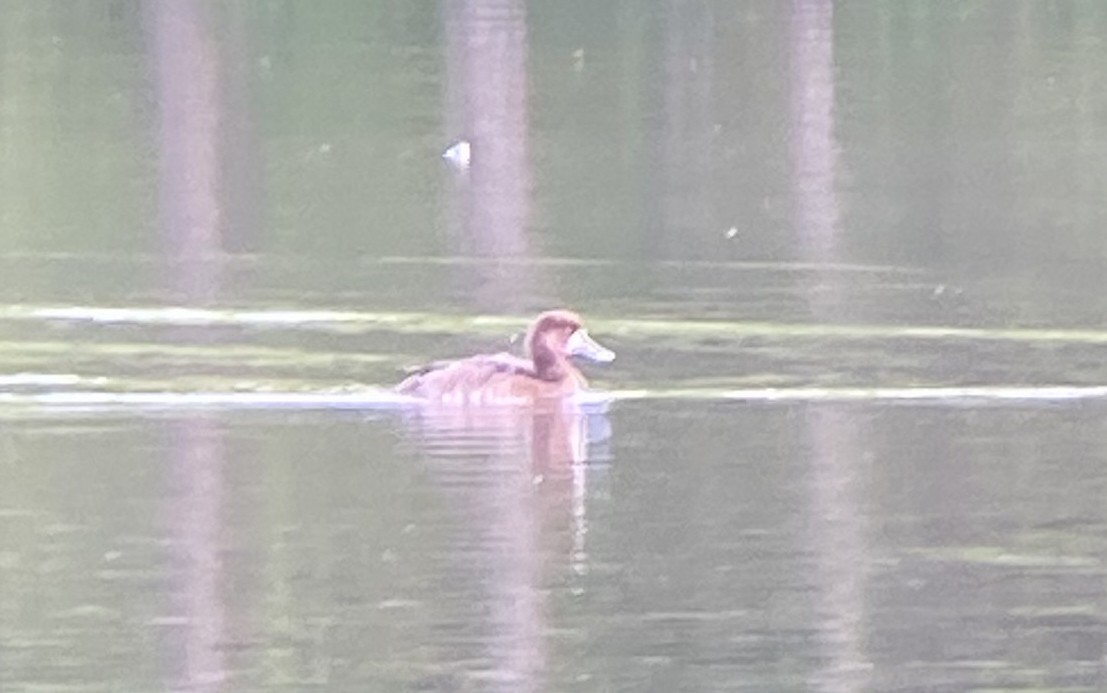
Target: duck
(546, 373)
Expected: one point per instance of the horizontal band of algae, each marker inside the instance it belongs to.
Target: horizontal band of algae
(441, 323)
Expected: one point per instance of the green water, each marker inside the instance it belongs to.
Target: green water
(850, 256)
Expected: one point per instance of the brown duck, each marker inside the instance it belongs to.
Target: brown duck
(547, 372)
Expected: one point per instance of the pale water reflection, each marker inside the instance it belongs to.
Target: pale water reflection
(486, 103)
(705, 545)
(513, 476)
(850, 255)
(194, 627)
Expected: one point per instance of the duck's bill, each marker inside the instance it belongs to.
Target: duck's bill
(582, 346)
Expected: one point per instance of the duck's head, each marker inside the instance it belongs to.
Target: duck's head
(557, 335)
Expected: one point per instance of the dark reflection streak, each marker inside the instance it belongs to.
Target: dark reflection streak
(242, 194)
(486, 102)
(837, 526)
(187, 84)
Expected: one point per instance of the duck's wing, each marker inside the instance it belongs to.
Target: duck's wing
(501, 362)
(438, 378)
(504, 362)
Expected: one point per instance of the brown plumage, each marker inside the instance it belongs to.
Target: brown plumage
(546, 373)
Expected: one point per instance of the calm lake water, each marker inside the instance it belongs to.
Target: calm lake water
(850, 256)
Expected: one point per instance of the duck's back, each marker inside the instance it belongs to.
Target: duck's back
(485, 379)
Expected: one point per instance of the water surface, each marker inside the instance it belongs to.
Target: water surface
(850, 256)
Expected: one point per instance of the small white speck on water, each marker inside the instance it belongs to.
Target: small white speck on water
(578, 60)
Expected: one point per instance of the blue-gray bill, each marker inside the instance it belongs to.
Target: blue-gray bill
(581, 345)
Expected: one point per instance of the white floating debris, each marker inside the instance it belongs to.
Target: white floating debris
(578, 59)
(459, 154)
(732, 232)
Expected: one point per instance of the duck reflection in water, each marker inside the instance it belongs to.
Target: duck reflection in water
(492, 396)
